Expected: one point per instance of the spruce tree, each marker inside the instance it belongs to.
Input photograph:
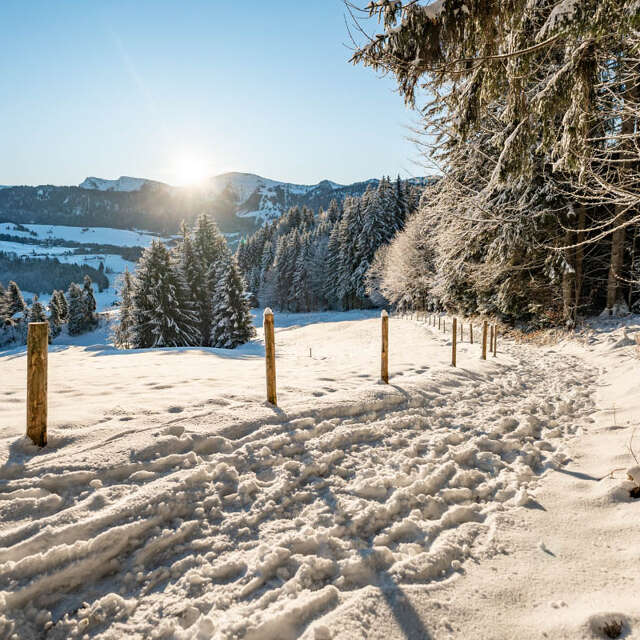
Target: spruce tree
(63, 307)
(36, 312)
(161, 317)
(55, 318)
(77, 310)
(91, 318)
(232, 324)
(3, 303)
(15, 303)
(209, 246)
(122, 335)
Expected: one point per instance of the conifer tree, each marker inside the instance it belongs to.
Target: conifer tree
(37, 312)
(209, 247)
(122, 335)
(3, 303)
(160, 305)
(300, 294)
(55, 319)
(63, 307)
(91, 318)
(232, 324)
(14, 300)
(77, 310)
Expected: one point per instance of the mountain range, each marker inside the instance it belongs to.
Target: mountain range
(239, 202)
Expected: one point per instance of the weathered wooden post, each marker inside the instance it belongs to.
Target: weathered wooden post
(495, 341)
(37, 352)
(270, 356)
(471, 332)
(454, 341)
(439, 322)
(384, 361)
(484, 340)
(444, 325)
(462, 331)
(490, 338)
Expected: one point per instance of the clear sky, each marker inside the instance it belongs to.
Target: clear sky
(176, 89)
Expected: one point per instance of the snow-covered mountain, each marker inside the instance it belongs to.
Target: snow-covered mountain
(239, 202)
(265, 199)
(123, 183)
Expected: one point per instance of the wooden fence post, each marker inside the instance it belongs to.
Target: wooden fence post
(439, 322)
(462, 331)
(37, 353)
(471, 332)
(384, 361)
(454, 340)
(484, 340)
(495, 341)
(490, 338)
(270, 356)
(444, 325)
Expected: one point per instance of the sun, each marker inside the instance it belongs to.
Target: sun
(190, 170)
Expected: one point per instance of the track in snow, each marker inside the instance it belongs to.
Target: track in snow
(274, 532)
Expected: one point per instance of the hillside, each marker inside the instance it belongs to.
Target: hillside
(239, 202)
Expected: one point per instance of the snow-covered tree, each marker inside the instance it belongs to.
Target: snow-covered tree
(232, 325)
(36, 311)
(90, 306)
(122, 334)
(56, 319)
(3, 303)
(77, 310)
(209, 247)
(161, 317)
(15, 304)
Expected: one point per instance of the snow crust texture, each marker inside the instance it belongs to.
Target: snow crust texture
(275, 530)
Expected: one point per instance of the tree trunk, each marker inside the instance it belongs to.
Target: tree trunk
(569, 282)
(579, 258)
(614, 293)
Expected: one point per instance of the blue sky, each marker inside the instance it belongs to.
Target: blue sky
(174, 90)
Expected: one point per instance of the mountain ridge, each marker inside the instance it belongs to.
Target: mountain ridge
(239, 202)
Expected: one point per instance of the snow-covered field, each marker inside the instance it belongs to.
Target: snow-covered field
(113, 263)
(173, 502)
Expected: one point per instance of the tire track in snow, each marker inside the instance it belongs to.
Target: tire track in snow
(265, 532)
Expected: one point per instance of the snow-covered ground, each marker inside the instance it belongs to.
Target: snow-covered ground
(114, 264)
(173, 502)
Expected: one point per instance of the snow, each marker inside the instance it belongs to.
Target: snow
(174, 502)
(123, 183)
(92, 235)
(96, 235)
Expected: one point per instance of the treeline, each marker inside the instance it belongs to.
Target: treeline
(536, 125)
(191, 295)
(44, 275)
(76, 310)
(303, 262)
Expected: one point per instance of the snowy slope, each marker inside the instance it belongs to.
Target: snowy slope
(40, 245)
(123, 183)
(86, 235)
(172, 502)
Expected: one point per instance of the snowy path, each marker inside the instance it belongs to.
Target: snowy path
(284, 526)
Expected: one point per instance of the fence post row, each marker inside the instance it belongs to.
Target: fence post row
(484, 340)
(384, 359)
(37, 354)
(454, 341)
(270, 356)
